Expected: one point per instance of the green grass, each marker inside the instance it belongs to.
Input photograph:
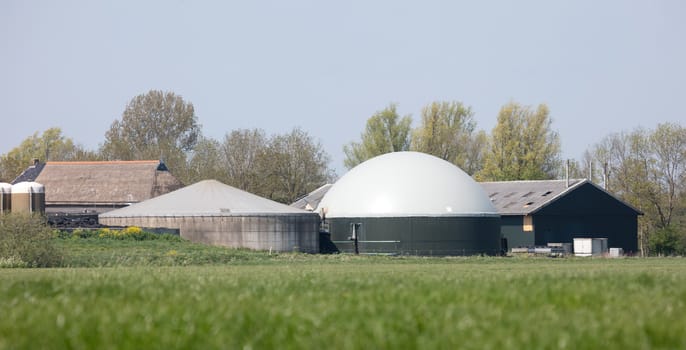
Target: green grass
(296, 301)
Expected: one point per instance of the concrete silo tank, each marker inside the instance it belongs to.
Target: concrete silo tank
(28, 197)
(5, 197)
(410, 203)
(214, 213)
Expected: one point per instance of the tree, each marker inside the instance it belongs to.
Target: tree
(475, 153)
(51, 145)
(205, 161)
(241, 154)
(522, 146)
(385, 132)
(446, 132)
(647, 169)
(156, 125)
(293, 165)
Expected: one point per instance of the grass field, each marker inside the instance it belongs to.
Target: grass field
(240, 299)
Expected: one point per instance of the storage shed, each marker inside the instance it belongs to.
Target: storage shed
(536, 213)
(410, 203)
(214, 213)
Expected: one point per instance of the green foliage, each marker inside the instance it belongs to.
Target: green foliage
(166, 250)
(131, 233)
(522, 146)
(293, 165)
(25, 240)
(446, 131)
(155, 125)
(667, 241)
(351, 303)
(282, 167)
(51, 145)
(385, 132)
(647, 169)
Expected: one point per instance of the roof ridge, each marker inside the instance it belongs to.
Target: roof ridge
(103, 162)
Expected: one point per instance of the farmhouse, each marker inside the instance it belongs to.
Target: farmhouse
(410, 203)
(214, 213)
(535, 213)
(97, 187)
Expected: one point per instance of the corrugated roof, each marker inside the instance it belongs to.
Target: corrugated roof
(525, 197)
(117, 182)
(312, 199)
(205, 198)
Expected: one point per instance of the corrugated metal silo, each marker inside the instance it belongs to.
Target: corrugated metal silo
(5, 197)
(28, 197)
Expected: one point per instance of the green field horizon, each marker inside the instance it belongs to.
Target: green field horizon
(253, 300)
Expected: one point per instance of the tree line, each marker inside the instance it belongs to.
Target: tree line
(161, 125)
(643, 167)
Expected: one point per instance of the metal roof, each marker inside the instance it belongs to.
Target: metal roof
(205, 198)
(528, 197)
(30, 174)
(312, 199)
(525, 197)
(402, 184)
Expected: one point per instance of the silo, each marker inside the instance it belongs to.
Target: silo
(214, 213)
(5, 197)
(410, 203)
(28, 197)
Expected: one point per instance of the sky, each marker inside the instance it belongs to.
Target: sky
(327, 66)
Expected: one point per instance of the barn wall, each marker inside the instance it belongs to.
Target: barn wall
(279, 233)
(620, 231)
(588, 212)
(512, 228)
(419, 235)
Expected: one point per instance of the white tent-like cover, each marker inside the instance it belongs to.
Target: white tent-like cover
(212, 212)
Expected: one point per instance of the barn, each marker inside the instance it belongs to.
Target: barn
(214, 213)
(536, 213)
(99, 186)
(410, 203)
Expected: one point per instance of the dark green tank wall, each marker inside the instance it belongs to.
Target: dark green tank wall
(419, 235)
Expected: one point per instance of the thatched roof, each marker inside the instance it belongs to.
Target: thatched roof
(105, 183)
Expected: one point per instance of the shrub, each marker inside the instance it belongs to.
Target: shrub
(26, 240)
(131, 233)
(667, 241)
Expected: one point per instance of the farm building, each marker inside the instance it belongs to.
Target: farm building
(215, 213)
(535, 213)
(410, 203)
(96, 187)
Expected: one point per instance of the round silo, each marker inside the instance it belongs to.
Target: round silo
(214, 213)
(5, 197)
(410, 203)
(28, 197)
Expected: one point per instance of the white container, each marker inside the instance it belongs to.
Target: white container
(616, 252)
(590, 246)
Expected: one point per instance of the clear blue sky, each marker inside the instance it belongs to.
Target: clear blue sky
(601, 66)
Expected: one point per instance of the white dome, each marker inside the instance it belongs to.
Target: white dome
(406, 184)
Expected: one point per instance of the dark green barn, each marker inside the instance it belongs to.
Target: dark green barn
(535, 213)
